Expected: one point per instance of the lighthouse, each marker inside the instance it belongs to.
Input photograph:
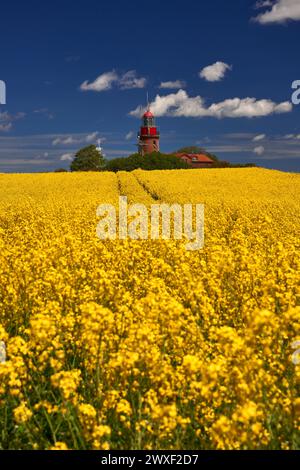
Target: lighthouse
(148, 137)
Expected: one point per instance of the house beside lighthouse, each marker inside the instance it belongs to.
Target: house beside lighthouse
(148, 136)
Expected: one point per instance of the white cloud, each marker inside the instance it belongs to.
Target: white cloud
(42, 157)
(44, 112)
(5, 127)
(277, 148)
(292, 137)
(129, 135)
(280, 11)
(259, 150)
(259, 137)
(4, 117)
(263, 3)
(102, 83)
(36, 147)
(7, 119)
(129, 80)
(91, 137)
(215, 72)
(176, 84)
(64, 141)
(70, 140)
(181, 105)
(66, 157)
(106, 81)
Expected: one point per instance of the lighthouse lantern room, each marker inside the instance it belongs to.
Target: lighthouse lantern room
(148, 137)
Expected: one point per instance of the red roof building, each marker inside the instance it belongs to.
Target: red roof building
(196, 160)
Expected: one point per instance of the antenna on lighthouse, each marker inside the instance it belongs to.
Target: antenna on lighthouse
(148, 104)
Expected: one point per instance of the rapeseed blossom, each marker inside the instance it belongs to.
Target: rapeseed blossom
(131, 344)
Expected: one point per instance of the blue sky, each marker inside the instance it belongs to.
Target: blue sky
(78, 71)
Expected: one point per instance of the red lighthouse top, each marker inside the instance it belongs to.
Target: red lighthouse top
(148, 114)
(148, 127)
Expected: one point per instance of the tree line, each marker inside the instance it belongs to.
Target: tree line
(90, 159)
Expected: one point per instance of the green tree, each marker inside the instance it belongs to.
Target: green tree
(88, 159)
(191, 149)
(151, 161)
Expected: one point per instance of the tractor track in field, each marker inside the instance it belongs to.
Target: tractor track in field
(119, 185)
(152, 194)
(124, 181)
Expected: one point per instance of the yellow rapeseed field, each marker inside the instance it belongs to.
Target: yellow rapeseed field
(142, 344)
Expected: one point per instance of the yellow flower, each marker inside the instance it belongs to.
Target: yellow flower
(59, 446)
(100, 433)
(22, 413)
(141, 343)
(67, 382)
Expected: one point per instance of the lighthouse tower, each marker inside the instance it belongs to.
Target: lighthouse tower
(148, 137)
